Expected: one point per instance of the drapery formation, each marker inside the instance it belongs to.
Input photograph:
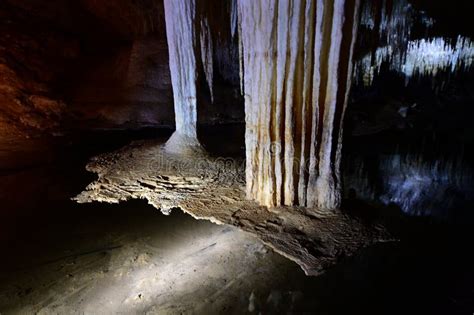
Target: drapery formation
(296, 65)
(194, 28)
(297, 60)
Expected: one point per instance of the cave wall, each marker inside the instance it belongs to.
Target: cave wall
(68, 65)
(96, 65)
(32, 58)
(122, 85)
(44, 49)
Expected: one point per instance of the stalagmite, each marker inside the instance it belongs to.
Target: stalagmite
(180, 31)
(297, 58)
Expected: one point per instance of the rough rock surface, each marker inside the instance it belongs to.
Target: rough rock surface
(31, 61)
(214, 189)
(94, 65)
(129, 19)
(122, 85)
(297, 73)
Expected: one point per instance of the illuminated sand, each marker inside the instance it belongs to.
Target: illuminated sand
(145, 263)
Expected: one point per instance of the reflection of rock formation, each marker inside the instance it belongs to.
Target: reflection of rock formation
(297, 65)
(415, 184)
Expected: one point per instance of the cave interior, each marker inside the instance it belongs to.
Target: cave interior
(236, 156)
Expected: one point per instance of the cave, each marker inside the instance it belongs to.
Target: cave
(236, 156)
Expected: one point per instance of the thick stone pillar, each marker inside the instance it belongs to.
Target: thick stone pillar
(297, 66)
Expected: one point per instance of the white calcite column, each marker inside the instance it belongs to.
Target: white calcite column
(297, 66)
(180, 18)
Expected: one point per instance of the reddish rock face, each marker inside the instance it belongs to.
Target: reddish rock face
(31, 61)
(86, 60)
(96, 64)
(123, 85)
(117, 19)
(129, 19)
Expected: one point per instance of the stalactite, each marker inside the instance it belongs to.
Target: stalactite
(233, 18)
(180, 31)
(367, 17)
(396, 22)
(392, 22)
(427, 57)
(226, 60)
(206, 54)
(198, 32)
(422, 58)
(241, 51)
(297, 59)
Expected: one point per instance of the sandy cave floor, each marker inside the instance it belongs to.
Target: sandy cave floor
(60, 257)
(63, 258)
(135, 267)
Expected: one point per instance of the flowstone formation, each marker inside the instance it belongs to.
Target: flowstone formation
(297, 57)
(214, 189)
(192, 33)
(180, 30)
(295, 62)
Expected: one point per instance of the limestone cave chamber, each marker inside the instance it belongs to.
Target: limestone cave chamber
(236, 157)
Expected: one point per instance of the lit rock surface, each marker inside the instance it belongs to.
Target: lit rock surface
(423, 58)
(214, 189)
(180, 31)
(297, 60)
